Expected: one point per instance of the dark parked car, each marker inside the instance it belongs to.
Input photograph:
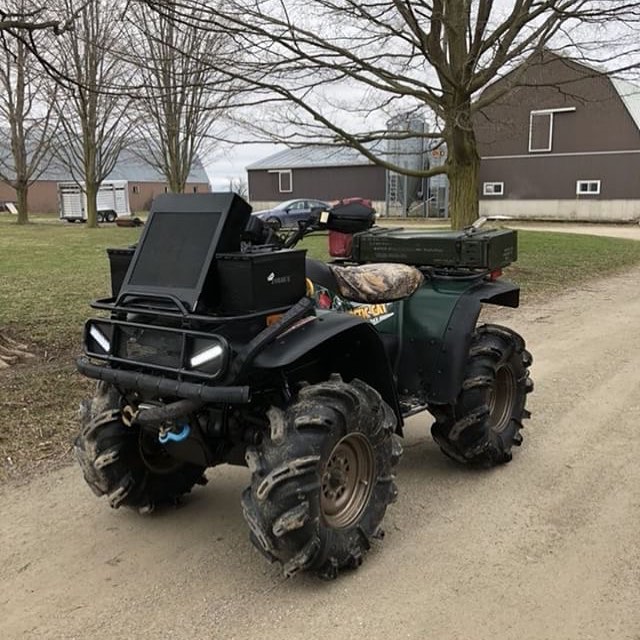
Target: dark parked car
(290, 212)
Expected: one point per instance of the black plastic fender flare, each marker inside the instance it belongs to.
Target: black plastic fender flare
(447, 369)
(337, 332)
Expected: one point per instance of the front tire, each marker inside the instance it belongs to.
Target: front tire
(322, 480)
(125, 463)
(485, 422)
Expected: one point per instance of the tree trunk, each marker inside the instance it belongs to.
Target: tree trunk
(22, 192)
(92, 205)
(463, 169)
(12, 352)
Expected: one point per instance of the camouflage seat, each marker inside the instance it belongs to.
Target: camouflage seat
(380, 282)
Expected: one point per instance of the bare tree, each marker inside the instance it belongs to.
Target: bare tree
(92, 107)
(33, 17)
(239, 186)
(26, 98)
(404, 56)
(179, 96)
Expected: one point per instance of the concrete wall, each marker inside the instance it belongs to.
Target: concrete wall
(575, 210)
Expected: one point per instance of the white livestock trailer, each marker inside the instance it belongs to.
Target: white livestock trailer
(112, 201)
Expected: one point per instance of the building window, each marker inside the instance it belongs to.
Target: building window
(541, 122)
(493, 188)
(588, 187)
(285, 180)
(195, 189)
(135, 189)
(540, 131)
(166, 189)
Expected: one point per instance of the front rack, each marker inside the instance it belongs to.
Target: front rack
(120, 306)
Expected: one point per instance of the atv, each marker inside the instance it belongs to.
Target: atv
(223, 343)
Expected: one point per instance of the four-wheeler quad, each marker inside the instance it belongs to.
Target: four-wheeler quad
(223, 344)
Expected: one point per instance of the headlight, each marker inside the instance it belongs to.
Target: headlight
(209, 355)
(99, 339)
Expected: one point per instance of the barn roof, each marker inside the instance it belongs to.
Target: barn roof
(131, 166)
(311, 157)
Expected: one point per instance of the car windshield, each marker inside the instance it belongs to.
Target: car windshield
(284, 205)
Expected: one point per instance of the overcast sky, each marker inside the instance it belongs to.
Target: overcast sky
(230, 163)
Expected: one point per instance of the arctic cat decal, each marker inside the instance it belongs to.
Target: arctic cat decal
(309, 286)
(326, 300)
(374, 313)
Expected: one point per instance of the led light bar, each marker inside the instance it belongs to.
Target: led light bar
(207, 355)
(100, 338)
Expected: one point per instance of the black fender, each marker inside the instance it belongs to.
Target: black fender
(447, 370)
(335, 342)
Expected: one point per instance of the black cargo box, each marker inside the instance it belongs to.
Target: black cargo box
(257, 281)
(351, 217)
(482, 249)
(119, 260)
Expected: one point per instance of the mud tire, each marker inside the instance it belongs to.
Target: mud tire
(109, 453)
(485, 422)
(293, 516)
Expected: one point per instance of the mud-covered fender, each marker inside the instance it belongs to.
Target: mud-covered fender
(339, 343)
(446, 372)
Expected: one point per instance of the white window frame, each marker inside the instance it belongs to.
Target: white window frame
(280, 173)
(135, 189)
(488, 189)
(587, 192)
(550, 113)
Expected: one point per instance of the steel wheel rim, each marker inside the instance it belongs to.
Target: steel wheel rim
(501, 399)
(347, 481)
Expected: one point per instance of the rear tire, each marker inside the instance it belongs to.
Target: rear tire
(322, 481)
(125, 463)
(485, 422)
(111, 216)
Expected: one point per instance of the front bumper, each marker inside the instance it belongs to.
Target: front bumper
(161, 386)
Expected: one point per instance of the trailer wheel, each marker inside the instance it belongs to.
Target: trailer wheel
(485, 422)
(111, 216)
(125, 463)
(321, 482)
(100, 216)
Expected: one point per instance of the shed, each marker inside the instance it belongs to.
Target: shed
(324, 173)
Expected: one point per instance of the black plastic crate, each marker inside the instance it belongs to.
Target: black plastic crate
(119, 260)
(261, 280)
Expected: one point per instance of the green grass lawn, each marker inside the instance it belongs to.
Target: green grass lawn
(549, 263)
(50, 271)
